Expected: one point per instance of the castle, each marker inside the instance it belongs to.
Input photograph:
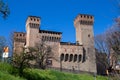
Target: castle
(79, 56)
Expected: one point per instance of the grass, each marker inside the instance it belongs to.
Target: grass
(35, 74)
(7, 72)
(7, 76)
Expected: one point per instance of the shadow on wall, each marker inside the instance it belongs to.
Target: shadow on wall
(84, 55)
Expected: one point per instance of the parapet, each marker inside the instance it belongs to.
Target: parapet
(19, 37)
(84, 19)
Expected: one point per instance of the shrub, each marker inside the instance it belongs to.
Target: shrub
(6, 67)
(35, 74)
(6, 76)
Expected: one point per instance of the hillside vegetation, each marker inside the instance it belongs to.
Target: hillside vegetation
(7, 72)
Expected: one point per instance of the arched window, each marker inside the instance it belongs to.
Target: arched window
(88, 35)
(57, 39)
(37, 19)
(50, 39)
(16, 35)
(62, 57)
(84, 16)
(66, 57)
(91, 17)
(34, 19)
(20, 34)
(88, 17)
(31, 19)
(54, 39)
(71, 58)
(75, 57)
(79, 58)
(81, 22)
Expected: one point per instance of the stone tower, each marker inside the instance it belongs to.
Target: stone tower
(84, 36)
(32, 29)
(84, 28)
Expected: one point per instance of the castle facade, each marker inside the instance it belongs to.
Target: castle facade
(78, 56)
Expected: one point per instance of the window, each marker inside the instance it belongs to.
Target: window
(84, 16)
(71, 57)
(66, 57)
(31, 19)
(91, 17)
(37, 19)
(62, 57)
(88, 17)
(34, 25)
(34, 19)
(88, 35)
(81, 22)
(57, 39)
(50, 39)
(23, 35)
(16, 35)
(79, 58)
(75, 57)
(20, 34)
(49, 62)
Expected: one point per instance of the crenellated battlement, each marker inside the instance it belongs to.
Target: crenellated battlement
(33, 21)
(84, 19)
(20, 37)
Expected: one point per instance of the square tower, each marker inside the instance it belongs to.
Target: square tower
(32, 29)
(84, 36)
(84, 29)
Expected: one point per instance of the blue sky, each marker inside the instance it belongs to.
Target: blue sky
(58, 15)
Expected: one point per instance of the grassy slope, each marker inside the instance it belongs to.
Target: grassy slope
(35, 74)
(9, 73)
(6, 76)
(5, 72)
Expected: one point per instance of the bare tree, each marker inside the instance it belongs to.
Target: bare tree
(4, 10)
(2, 45)
(101, 54)
(42, 53)
(11, 43)
(100, 44)
(109, 43)
(113, 39)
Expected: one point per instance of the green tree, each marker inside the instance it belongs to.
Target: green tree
(35, 57)
(22, 60)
